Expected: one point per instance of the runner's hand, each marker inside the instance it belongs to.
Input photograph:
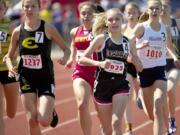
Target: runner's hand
(62, 61)
(105, 64)
(177, 63)
(4, 59)
(12, 73)
(69, 64)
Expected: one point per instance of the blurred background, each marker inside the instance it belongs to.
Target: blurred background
(63, 14)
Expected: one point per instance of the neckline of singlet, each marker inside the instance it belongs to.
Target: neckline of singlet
(33, 30)
(153, 29)
(122, 39)
(83, 30)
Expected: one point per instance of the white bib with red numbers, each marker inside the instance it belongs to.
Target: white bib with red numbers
(116, 67)
(32, 61)
(153, 53)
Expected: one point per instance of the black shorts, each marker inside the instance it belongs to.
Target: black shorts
(104, 90)
(40, 87)
(170, 65)
(131, 70)
(4, 79)
(150, 75)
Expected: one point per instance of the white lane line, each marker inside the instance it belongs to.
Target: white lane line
(56, 103)
(66, 123)
(149, 122)
(146, 123)
(17, 114)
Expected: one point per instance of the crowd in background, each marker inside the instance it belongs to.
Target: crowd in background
(64, 14)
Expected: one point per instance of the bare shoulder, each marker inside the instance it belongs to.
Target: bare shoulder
(16, 32)
(139, 30)
(139, 26)
(99, 39)
(73, 31)
(49, 27)
(17, 29)
(49, 30)
(12, 26)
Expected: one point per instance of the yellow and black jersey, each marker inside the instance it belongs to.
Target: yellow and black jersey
(5, 37)
(35, 51)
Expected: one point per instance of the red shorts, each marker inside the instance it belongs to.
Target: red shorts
(86, 76)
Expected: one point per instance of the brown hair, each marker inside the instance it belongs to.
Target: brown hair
(39, 4)
(134, 5)
(87, 3)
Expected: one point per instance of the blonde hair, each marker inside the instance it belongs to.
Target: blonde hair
(99, 25)
(145, 16)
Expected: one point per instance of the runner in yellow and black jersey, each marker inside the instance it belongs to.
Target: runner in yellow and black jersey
(35, 70)
(8, 86)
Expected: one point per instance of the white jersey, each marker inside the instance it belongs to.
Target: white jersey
(154, 52)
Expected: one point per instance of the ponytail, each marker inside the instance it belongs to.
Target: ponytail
(144, 17)
(99, 25)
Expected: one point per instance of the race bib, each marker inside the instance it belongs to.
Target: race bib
(116, 67)
(32, 61)
(39, 37)
(153, 53)
(3, 36)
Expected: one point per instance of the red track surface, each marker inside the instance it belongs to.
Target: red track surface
(66, 108)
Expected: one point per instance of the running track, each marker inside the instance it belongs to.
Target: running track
(66, 108)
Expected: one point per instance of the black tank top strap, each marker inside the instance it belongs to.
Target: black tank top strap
(125, 39)
(42, 26)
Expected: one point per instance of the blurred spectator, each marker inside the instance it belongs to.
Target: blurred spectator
(69, 21)
(14, 12)
(177, 13)
(107, 4)
(57, 17)
(45, 12)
